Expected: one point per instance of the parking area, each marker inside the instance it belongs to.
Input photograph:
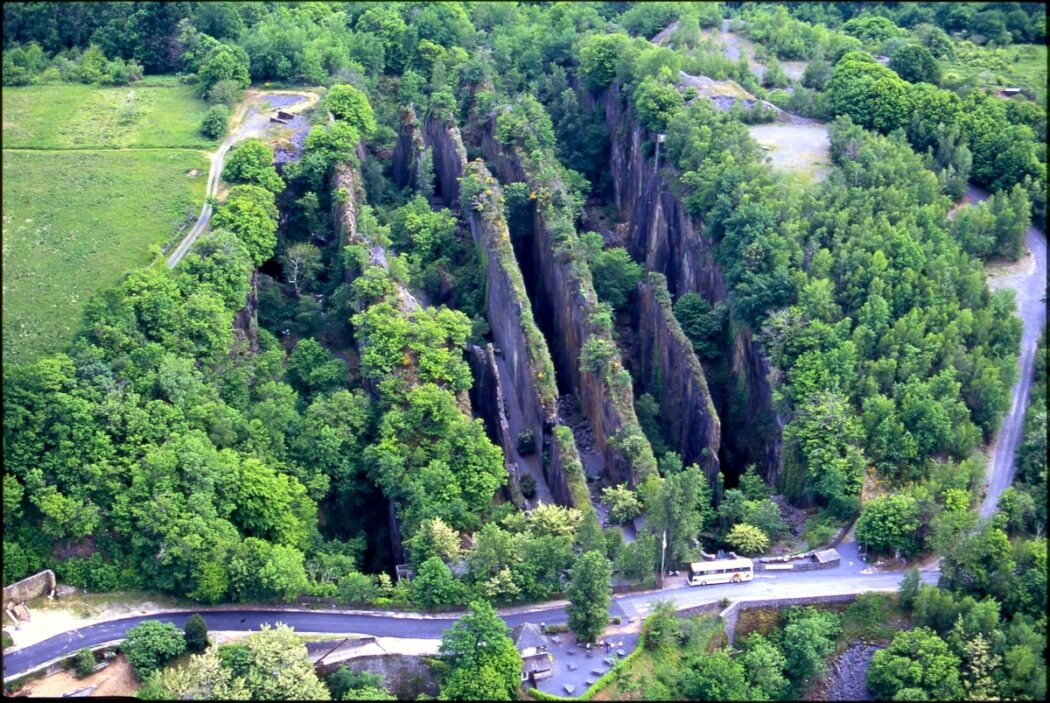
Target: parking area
(575, 667)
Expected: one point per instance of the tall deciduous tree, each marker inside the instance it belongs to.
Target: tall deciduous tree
(589, 592)
(483, 663)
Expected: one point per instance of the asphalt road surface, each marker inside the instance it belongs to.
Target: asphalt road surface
(848, 578)
(1030, 286)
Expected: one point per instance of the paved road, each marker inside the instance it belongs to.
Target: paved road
(1030, 285)
(845, 579)
(254, 124)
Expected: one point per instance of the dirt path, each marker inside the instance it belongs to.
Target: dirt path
(250, 121)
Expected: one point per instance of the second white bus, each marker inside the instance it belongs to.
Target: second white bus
(702, 573)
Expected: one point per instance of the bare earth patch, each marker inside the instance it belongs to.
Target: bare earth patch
(63, 614)
(796, 148)
(116, 679)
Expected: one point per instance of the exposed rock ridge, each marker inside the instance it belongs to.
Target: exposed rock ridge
(348, 196)
(660, 231)
(409, 151)
(508, 310)
(672, 374)
(246, 321)
(568, 300)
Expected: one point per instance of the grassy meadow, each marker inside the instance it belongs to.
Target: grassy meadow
(94, 179)
(76, 116)
(1020, 65)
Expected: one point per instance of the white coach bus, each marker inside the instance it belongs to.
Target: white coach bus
(702, 573)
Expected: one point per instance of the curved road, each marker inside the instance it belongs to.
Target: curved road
(848, 578)
(250, 128)
(1030, 286)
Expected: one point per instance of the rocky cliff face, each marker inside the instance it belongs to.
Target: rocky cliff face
(246, 321)
(521, 346)
(566, 304)
(409, 150)
(671, 373)
(657, 228)
(659, 231)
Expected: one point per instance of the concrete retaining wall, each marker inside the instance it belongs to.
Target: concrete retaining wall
(40, 584)
(731, 614)
(405, 676)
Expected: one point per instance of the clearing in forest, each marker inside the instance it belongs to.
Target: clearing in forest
(91, 187)
(796, 148)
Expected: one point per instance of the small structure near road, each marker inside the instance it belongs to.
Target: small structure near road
(1009, 92)
(536, 659)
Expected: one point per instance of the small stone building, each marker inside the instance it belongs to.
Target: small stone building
(536, 659)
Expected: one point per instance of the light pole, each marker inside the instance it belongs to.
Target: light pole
(663, 552)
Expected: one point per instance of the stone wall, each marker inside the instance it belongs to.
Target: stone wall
(405, 676)
(731, 614)
(39, 584)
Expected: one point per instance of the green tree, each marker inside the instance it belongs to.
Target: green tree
(483, 663)
(215, 121)
(916, 659)
(589, 592)
(890, 523)
(623, 503)
(656, 101)
(681, 505)
(196, 632)
(277, 667)
(703, 324)
(226, 63)
(808, 639)
(434, 585)
(747, 539)
(350, 105)
(774, 76)
(344, 680)
(763, 665)
(152, 644)
(616, 275)
(599, 55)
(251, 213)
(589, 536)
(915, 64)
(713, 677)
(434, 539)
(204, 677)
(251, 162)
(84, 663)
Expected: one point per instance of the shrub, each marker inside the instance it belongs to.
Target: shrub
(196, 632)
(215, 121)
(528, 486)
(526, 443)
(748, 539)
(83, 663)
(152, 644)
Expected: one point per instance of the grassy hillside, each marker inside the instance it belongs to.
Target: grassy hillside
(81, 116)
(94, 178)
(74, 222)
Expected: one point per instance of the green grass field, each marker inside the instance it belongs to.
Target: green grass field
(93, 178)
(74, 222)
(74, 116)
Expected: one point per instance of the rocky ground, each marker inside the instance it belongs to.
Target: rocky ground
(848, 673)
